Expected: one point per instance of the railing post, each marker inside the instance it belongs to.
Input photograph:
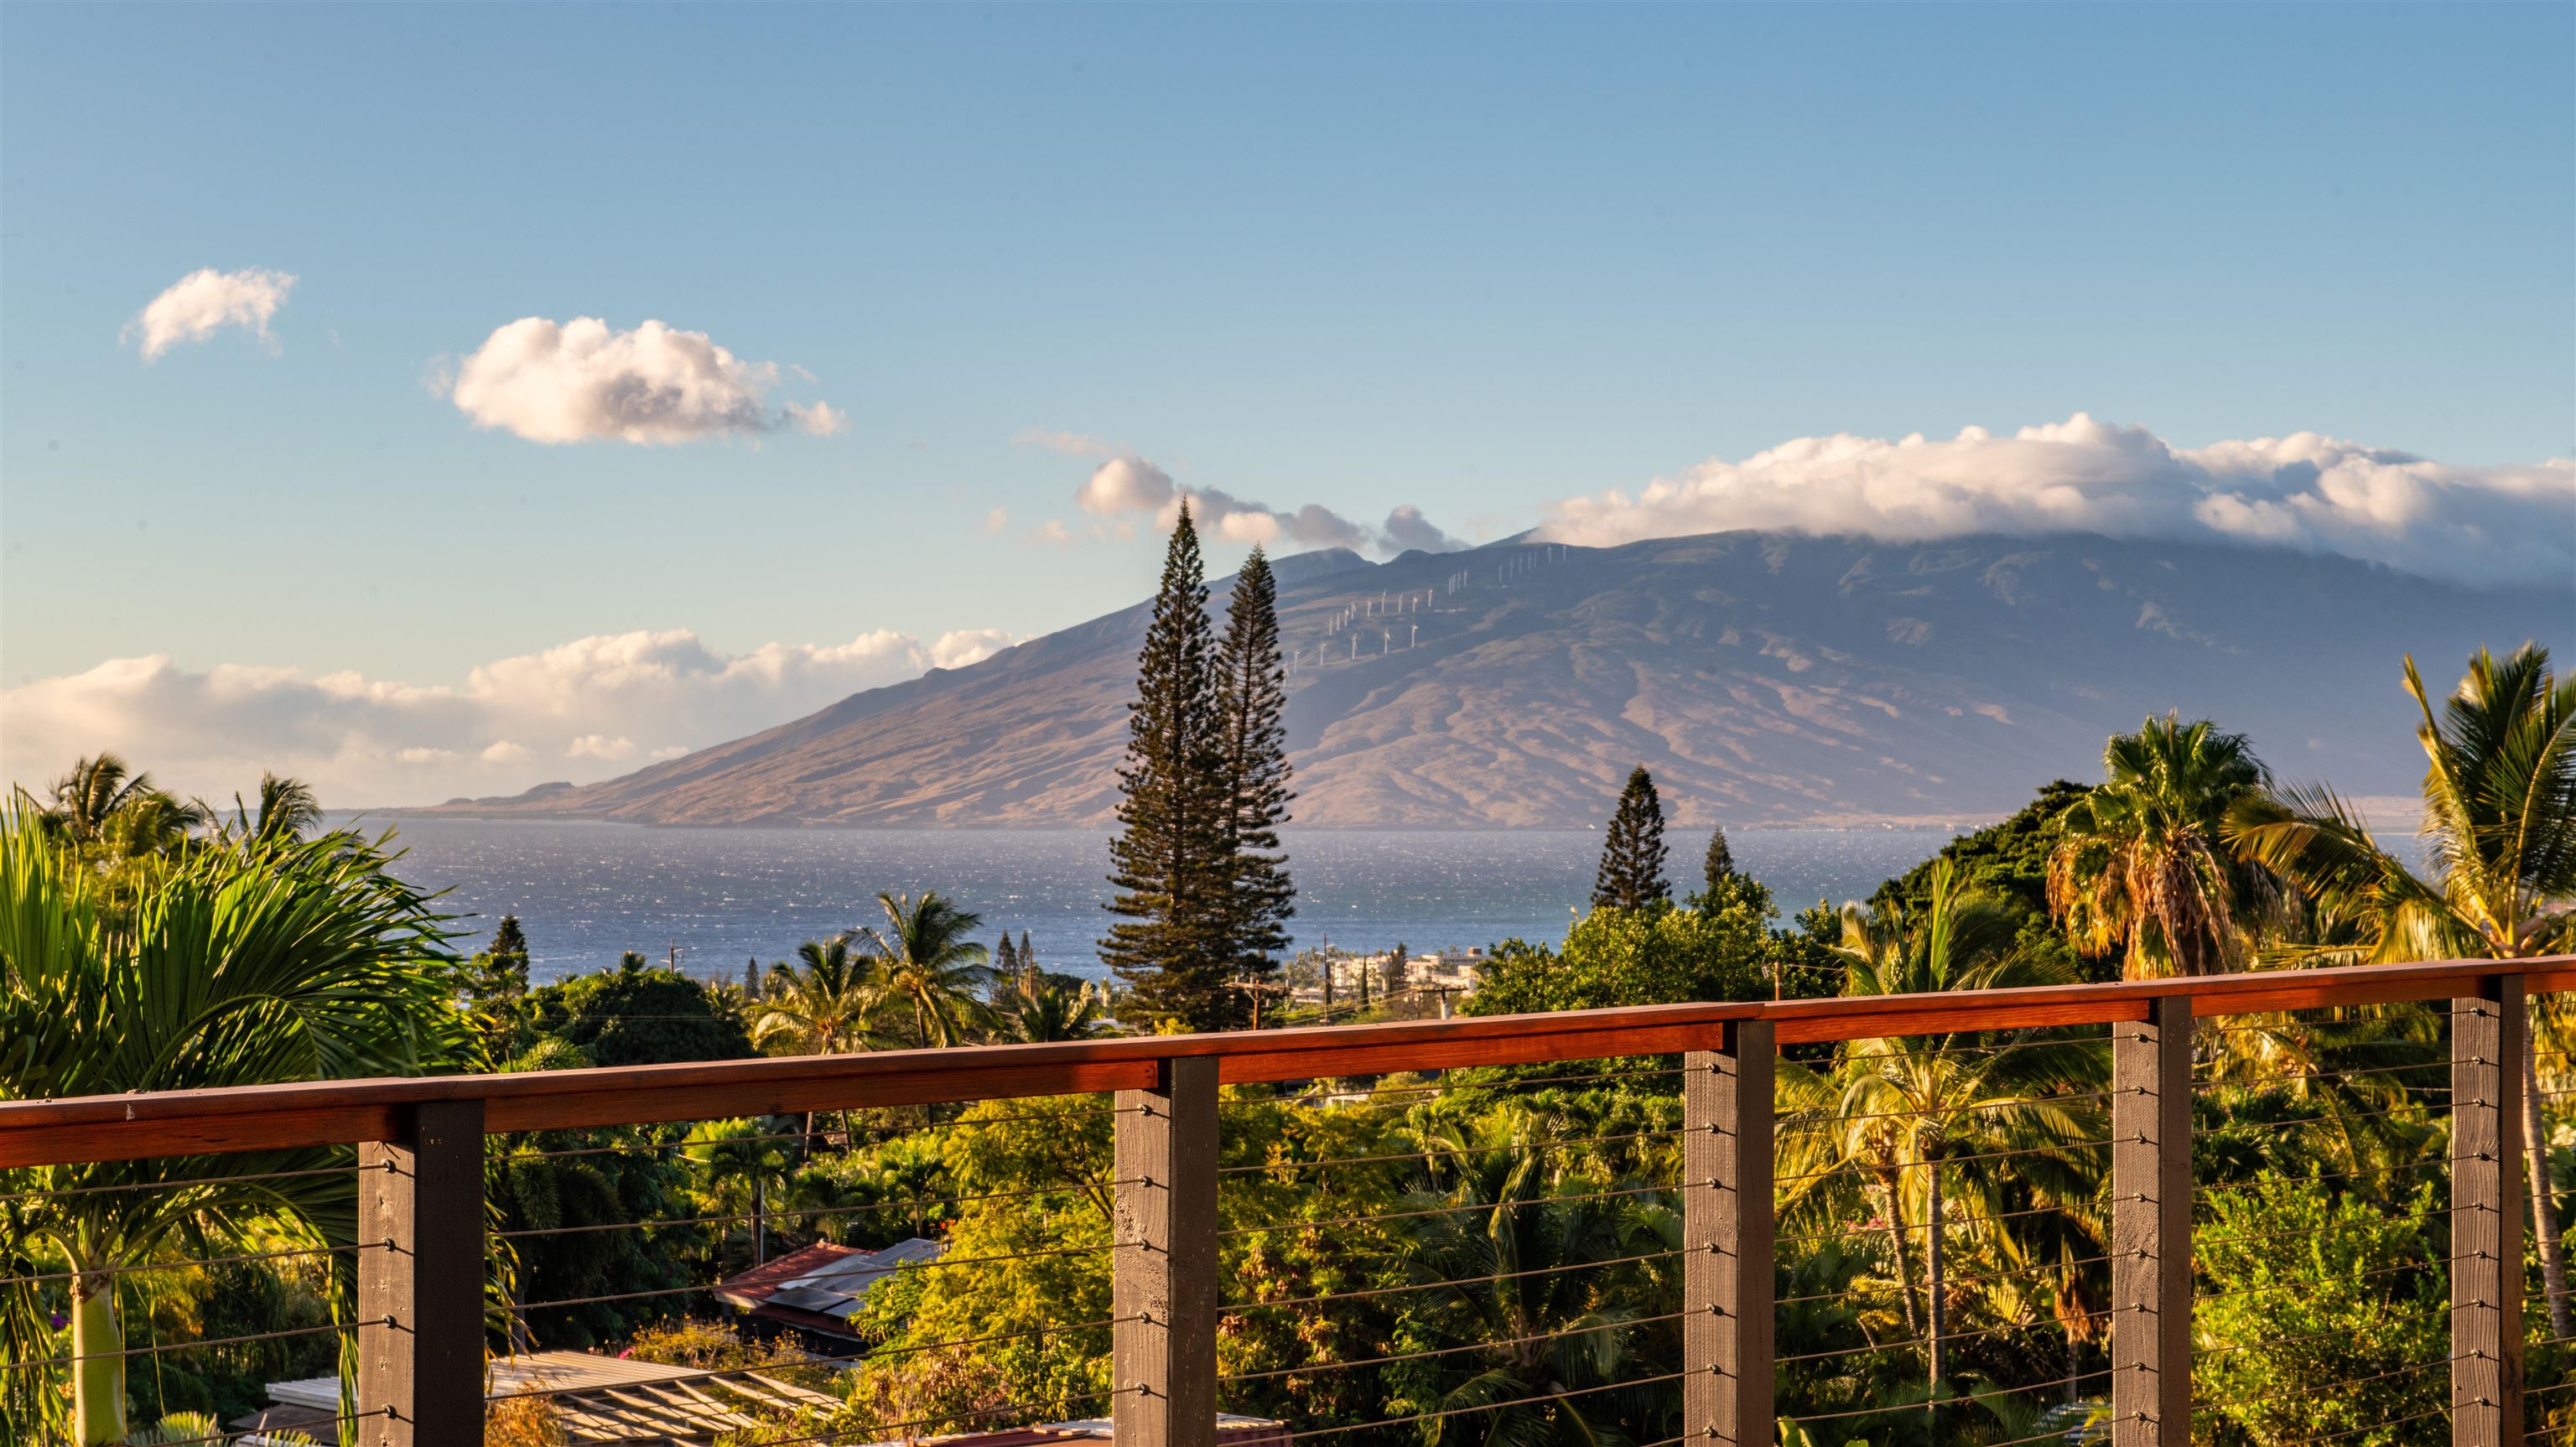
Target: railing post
(1727, 1239)
(2151, 1277)
(1164, 1278)
(420, 1266)
(2487, 1033)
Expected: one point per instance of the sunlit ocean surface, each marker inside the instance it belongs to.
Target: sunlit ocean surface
(586, 892)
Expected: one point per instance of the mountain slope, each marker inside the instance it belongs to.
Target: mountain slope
(1764, 678)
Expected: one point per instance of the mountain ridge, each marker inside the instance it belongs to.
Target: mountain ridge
(1765, 678)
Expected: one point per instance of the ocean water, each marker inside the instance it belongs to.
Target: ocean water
(586, 892)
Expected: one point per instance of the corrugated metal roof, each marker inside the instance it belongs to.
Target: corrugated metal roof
(601, 1399)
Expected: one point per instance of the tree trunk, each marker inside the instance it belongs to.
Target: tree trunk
(1896, 1239)
(2544, 1206)
(1932, 1273)
(98, 1379)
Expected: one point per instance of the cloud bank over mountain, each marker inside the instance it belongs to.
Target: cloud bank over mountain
(580, 381)
(2321, 494)
(581, 710)
(1127, 486)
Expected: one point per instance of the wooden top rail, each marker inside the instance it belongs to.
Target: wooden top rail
(271, 1117)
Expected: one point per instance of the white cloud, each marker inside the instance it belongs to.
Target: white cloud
(957, 648)
(1127, 484)
(584, 710)
(822, 419)
(2475, 524)
(578, 381)
(1123, 485)
(996, 520)
(602, 747)
(203, 302)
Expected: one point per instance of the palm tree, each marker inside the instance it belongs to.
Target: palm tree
(1036, 1008)
(102, 803)
(288, 809)
(929, 977)
(1894, 1120)
(2141, 864)
(2500, 816)
(1544, 1269)
(736, 1162)
(821, 1009)
(307, 962)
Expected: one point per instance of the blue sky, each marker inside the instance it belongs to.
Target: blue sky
(1475, 260)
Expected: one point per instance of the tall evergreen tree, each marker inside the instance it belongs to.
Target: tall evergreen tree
(1169, 861)
(511, 942)
(501, 972)
(1632, 857)
(1719, 870)
(1000, 991)
(1028, 955)
(1251, 695)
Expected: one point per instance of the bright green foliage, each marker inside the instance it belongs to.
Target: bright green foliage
(1251, 697)
(1634, 957)
(274, 962)
(1059, 1149)
(2141, 865)
(2335, 1298)
(1632, 853)
(1170, 860)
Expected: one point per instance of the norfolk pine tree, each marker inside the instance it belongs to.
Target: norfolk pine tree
(1720, 868)
(1252, 693)
(1632, 857)
(1169, 861)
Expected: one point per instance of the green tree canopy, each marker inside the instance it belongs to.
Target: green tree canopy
(635, 1015)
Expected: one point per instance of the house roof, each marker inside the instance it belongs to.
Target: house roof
(598, 1399)
(818, 1287)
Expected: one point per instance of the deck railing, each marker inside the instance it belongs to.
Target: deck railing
(422, 1240)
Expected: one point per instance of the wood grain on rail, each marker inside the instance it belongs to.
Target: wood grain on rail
(269, 1117)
